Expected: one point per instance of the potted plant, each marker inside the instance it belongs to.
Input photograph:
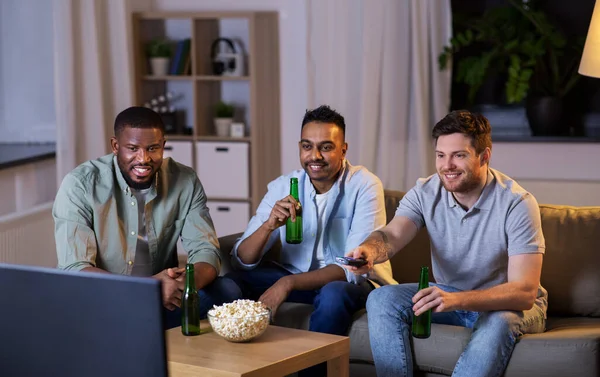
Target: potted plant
(223, 118)
(158, 52)
(518, 43)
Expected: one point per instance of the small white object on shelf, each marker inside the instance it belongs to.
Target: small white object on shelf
(237, 130)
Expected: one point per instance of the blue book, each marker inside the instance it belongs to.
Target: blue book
(185, 55)
(176, 59)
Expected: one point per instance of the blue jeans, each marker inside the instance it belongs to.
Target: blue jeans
(334, 304)
(487, 354)
(216, 293)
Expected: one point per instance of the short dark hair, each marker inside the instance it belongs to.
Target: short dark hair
(138, 117)
(325, 114)
(473, 125)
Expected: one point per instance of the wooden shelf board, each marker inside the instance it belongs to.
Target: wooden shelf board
(222, 138)
(169, 77)
(195, 16)
(176, 137)
(198, 78)
(222, 78)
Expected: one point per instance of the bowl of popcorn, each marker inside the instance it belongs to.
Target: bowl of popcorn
(240, 321)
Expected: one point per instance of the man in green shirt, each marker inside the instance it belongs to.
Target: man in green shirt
(124, 212)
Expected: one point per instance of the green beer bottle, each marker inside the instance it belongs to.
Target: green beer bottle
(421, 325)
(190, 304)
(293, 229)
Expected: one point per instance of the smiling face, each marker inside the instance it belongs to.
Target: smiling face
(459, 167)
(139, 154)
(322, 153)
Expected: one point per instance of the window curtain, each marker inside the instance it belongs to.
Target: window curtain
(376, 63)
(27, 112)
(92, 71)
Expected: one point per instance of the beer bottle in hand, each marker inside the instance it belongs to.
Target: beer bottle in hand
(293, 229)
(421, 325)
(190, 304)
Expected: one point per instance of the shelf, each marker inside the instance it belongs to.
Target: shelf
(223, 138)
(198, 78)
(177, 137)
(258, 89)
(153, 15)
(222, 78)
(169, 77)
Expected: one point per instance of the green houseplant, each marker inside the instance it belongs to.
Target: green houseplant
(158, 48)
(519, 43)
(223, 118)
(158, 52)
(224, 110)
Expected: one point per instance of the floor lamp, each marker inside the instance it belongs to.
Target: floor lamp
(590, 60)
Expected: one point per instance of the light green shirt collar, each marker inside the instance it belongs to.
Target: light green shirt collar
(125, 187)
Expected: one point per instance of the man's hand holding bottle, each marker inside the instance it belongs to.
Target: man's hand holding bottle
(282, 210)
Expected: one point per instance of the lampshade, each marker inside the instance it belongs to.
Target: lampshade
(590, 60)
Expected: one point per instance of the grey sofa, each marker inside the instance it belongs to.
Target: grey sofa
(571, 274)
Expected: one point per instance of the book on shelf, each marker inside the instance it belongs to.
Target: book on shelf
(181, 58)
(176, 58)
(185, 56)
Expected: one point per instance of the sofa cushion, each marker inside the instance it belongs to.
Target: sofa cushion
(570, 347)
(391, 200)
(571, 269)
(360, 346)
(225, 246)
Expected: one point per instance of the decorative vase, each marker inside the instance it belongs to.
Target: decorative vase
(159, 66)
(222, 126)
(545, 116)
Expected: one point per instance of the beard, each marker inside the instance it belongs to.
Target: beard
(466, 183)
(137, 185)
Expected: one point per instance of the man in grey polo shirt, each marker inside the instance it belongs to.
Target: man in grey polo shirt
(487, 248)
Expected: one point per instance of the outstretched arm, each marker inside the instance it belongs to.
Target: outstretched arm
(382, 244)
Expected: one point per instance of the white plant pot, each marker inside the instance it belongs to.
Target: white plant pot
(159, 66)
(223, 126)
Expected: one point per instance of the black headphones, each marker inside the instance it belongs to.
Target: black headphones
(224, 64)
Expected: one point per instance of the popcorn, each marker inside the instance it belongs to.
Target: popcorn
(239, 321)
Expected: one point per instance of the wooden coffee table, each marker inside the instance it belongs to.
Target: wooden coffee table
(278, 352)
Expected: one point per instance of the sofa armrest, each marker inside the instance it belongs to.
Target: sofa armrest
(226, 245)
